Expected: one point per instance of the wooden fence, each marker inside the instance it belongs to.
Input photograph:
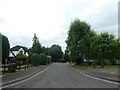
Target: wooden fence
(7, 68)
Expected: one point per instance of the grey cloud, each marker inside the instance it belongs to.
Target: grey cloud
(26, 40)
(60, 40)
(2, 20)
(20, 40)
(103, 19)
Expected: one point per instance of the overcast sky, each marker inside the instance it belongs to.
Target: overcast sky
(50, 19)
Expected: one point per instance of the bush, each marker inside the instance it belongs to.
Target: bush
(21, 57)
(43, 59)
(79, 60)
(35, 59)
(113, 61)
(49, 59)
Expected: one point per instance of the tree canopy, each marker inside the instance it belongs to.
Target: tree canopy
(5, 49)
(84, 44)
(55, 52)
(78, 40)
(36, 47)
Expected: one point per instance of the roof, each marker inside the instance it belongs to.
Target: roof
(17, 47)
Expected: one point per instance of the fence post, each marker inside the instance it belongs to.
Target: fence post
(19, 67)
(4, 66)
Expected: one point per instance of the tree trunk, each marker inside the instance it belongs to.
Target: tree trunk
(102, 63)
(87, 63)
(94, 65)
(4, 68)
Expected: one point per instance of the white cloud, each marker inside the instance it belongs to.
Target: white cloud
(50, 19)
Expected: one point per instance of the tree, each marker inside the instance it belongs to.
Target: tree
(45, 50)
(36, 47)
(103, 48)
(115, 52)
(118, 50)
(77, 34)
(55, 52)
(66, 56)
(5, 49)
(21, 57)
(93, 49)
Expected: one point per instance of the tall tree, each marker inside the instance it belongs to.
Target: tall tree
(5, 49)
(77, 32)
(36, 47)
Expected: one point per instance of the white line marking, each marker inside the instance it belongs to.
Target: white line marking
(26, 79)
(95, 77)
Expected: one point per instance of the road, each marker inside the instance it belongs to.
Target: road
(61, 75)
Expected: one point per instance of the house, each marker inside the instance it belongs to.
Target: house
(15, 50)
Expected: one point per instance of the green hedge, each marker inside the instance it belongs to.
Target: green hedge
(35, 59)
(43, 59)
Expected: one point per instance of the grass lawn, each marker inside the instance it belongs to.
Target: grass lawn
(98, 66)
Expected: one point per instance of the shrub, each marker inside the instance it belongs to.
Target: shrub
(21, 57)
(35, 59)
(113, 61)
(43, 59)
(49, 59)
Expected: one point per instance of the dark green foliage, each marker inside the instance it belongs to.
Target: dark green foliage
(35, 59)
(49, 59)
(113, 61)
(56, 53)
(105, 46)
(78, 42)
(79, 60)
(21, 57)
(84, 43)
(66, 56)
(29, 59)
(43, 59)
(5, 49)
(45, 50)
(36, 47)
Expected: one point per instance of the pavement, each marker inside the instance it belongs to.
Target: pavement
(111, 74)
(19, 76)
(62, 75)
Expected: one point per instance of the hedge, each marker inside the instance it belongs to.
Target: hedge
(43, 59)
(35, 59)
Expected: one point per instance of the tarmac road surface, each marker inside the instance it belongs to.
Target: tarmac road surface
(61, 75)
